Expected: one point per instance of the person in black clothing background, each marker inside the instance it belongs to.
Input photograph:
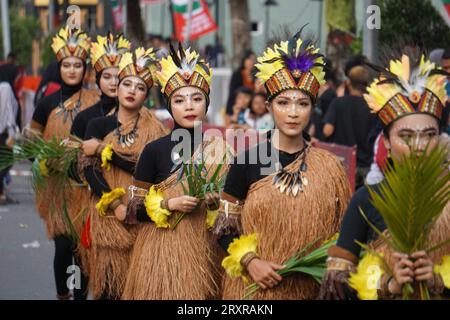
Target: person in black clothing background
(9, 108)
(327, 93)
(349, 122)
(411, 121)
(51, 76)
(241, 77)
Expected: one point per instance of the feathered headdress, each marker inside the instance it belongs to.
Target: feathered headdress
(409, 85)
(71, 43)
(183, 68)
(141, 63)
(292, 64)
(106, 52)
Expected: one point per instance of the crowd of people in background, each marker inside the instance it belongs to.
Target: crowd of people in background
(356, 126)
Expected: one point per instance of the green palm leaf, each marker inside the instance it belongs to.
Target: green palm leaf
(410, 199)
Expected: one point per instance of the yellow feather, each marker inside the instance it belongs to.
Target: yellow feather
(266, 70)
(59, 42)
(169, 68)
(125, 60)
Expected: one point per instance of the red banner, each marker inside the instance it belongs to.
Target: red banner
(117, 15)
(192, 15)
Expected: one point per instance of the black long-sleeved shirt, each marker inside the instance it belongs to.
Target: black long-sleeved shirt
(47, 104)
(156, 163)
(100, 109)
(243, 174)
(45, 107)
(99, 128)
(354, 226)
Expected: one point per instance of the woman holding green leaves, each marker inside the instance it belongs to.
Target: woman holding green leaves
(409, 98)
(286, 193)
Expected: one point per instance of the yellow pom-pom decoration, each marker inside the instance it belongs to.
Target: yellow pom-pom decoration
(444, 270)
(211, 216)
(43, 169)
(107, 198)
(106, 156)
(152, 204)
(237, 249)
(367, 277)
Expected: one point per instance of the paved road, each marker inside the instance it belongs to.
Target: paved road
(25, 273)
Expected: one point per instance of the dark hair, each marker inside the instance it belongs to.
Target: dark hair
(11, 55)
(247, 55)
(446, 54)
(356, 60)
(257, 94)
(243, 90)
(329, 73)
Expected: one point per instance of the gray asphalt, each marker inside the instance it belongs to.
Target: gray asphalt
(25, 273)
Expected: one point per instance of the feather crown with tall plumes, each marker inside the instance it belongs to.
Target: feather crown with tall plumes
(70, 42)
(411, 84)
(183, 68)
(292, 64)
(140, 63)
(106, 51)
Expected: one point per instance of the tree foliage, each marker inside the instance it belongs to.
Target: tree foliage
(23, 31)
(412, 22)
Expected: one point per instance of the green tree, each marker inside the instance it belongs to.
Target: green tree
(412, 22)
(23, 31)
(47, 54)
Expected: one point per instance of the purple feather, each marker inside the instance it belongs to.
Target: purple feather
(304, 62)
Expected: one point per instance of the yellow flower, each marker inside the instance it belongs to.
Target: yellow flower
(107, 198)
(237, 249)
(106, 155)
(43, 169)
(367, 277)
(444, 270)
(211, 216)
(153, 207)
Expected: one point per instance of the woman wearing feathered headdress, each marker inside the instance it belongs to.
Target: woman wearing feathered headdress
(113, 145)
(173, 260)
(292, 194)
(408, 97)
(53, 117)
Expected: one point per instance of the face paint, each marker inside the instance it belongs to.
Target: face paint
(188, 105)
(292, 101)
(291, 111)
(414, 132)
